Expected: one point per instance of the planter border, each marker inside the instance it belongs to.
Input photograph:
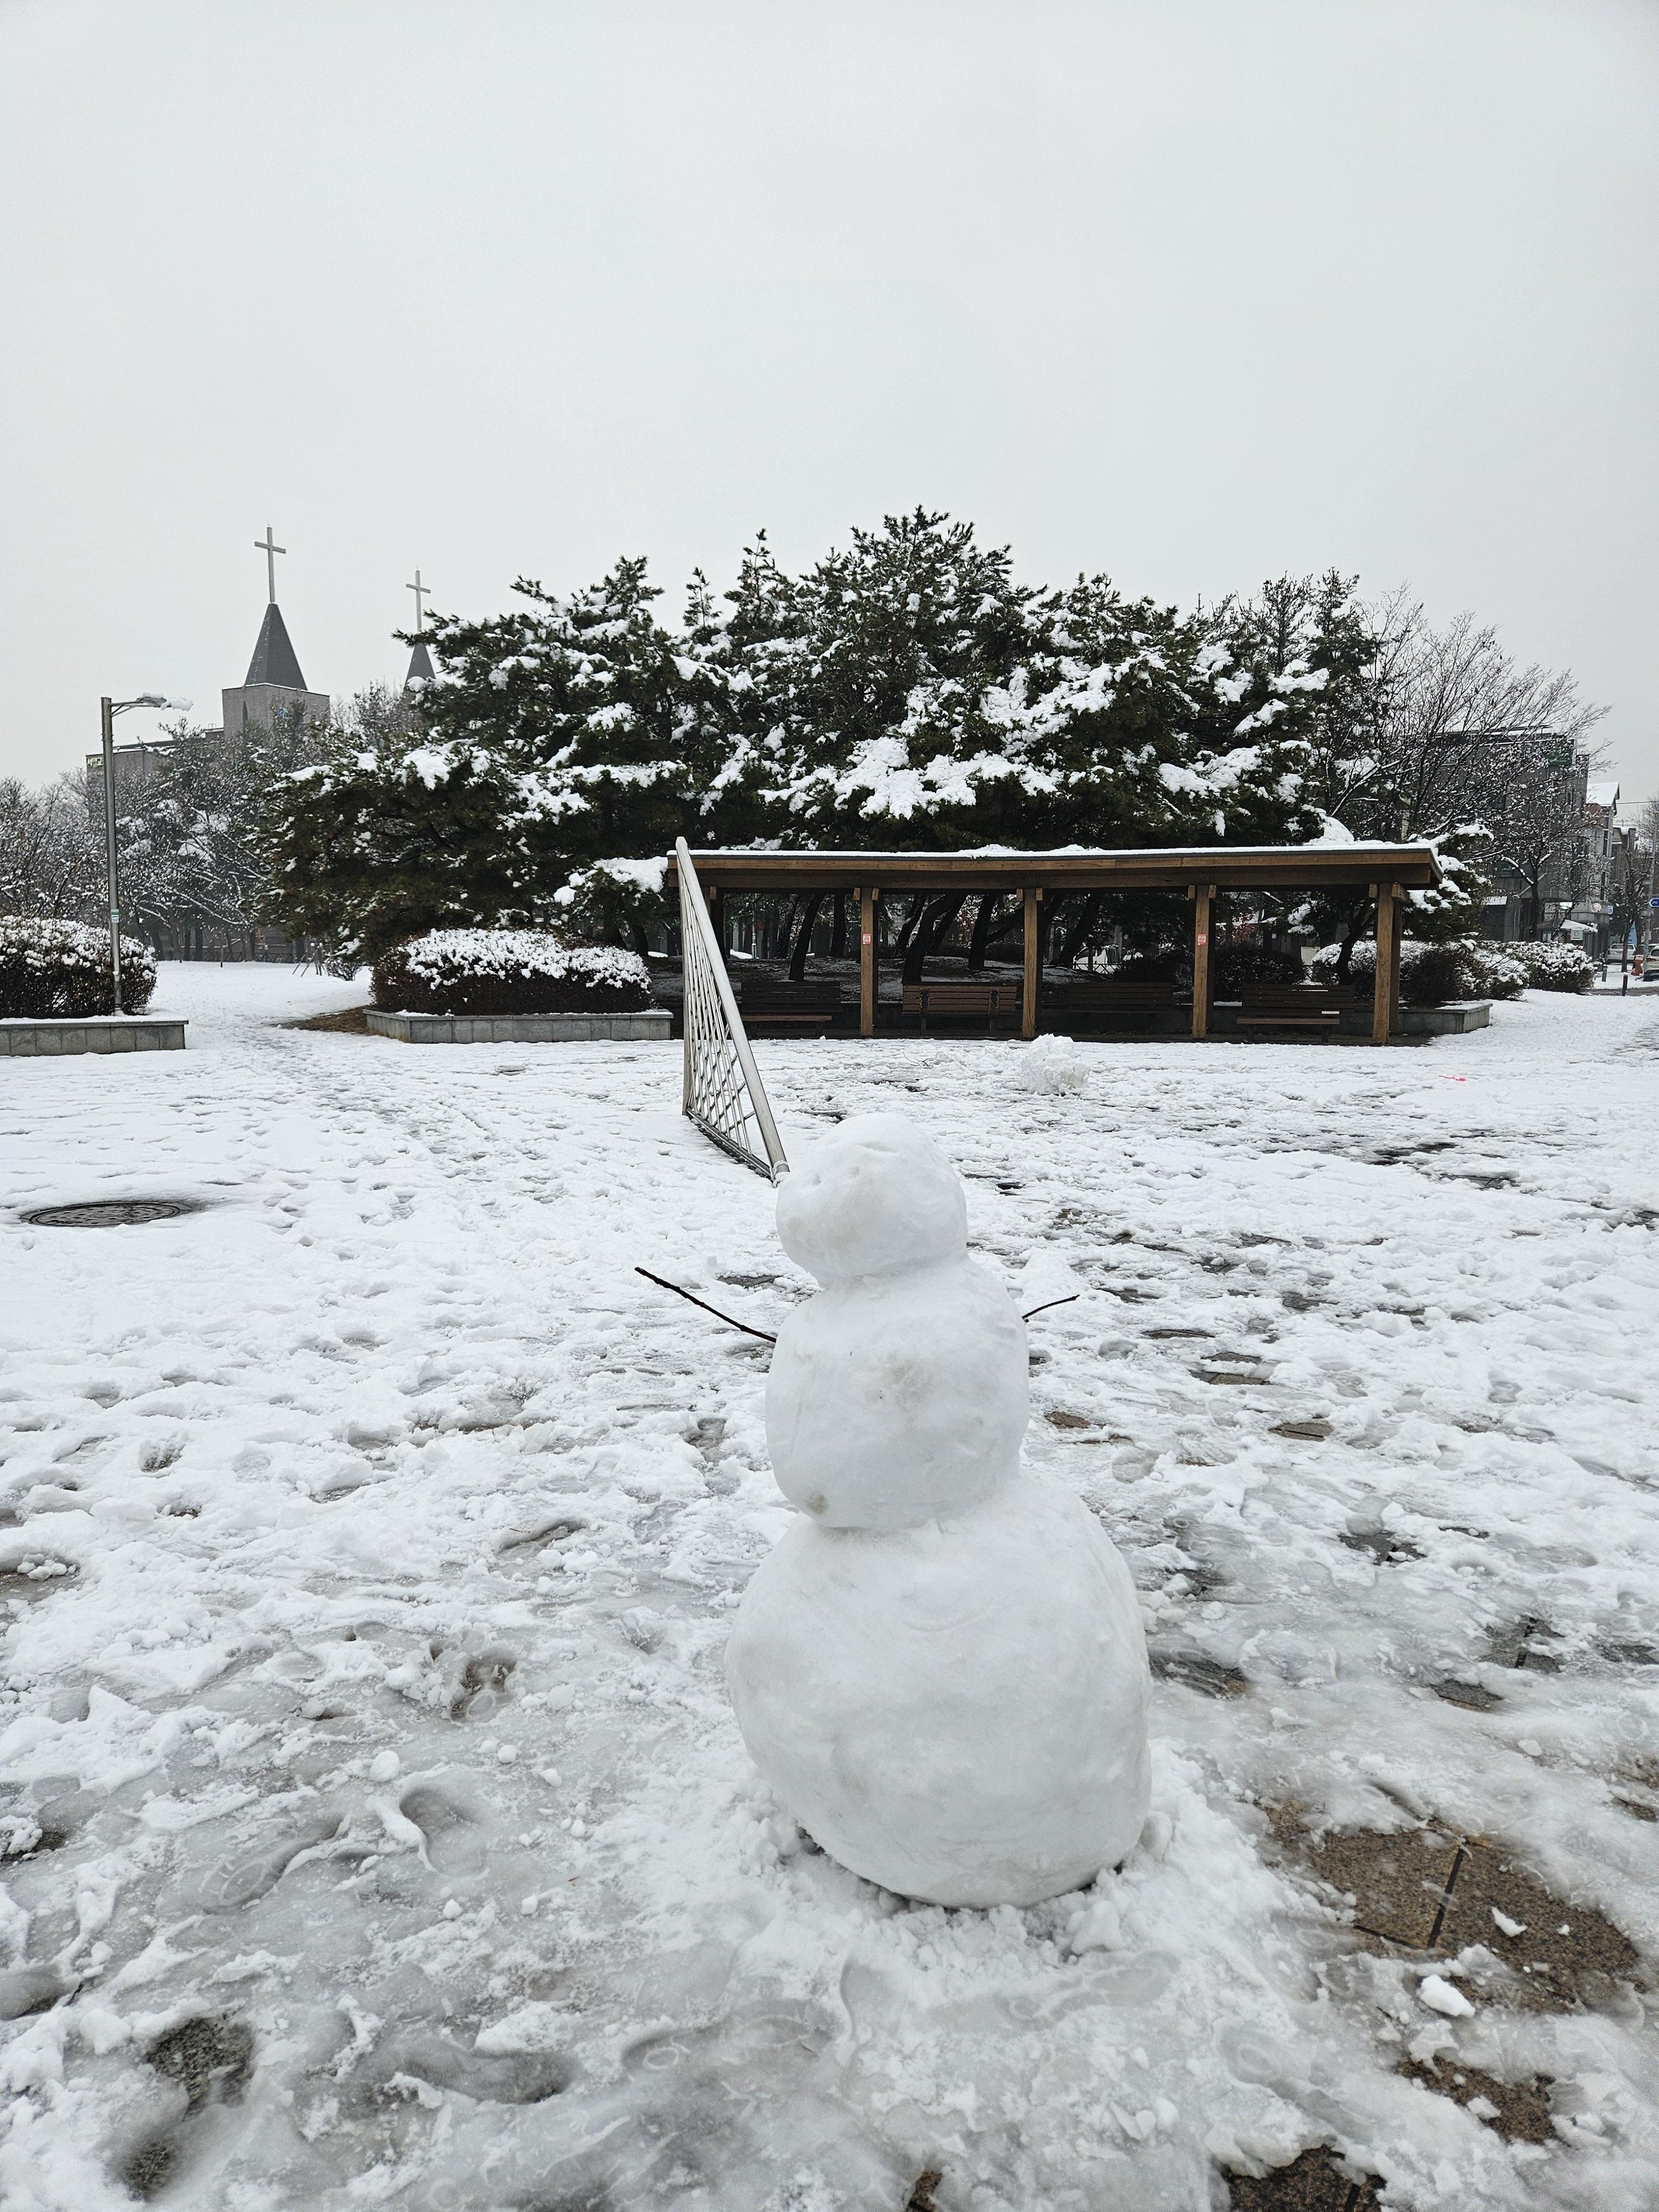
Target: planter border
(24, 1039)
(1456, 1019)
(648, 1024)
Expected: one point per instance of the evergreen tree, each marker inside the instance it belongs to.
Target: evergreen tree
(905, 690)
(555, 738)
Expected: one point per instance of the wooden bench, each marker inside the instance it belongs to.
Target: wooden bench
(961, 1002)
(1291, 1005)
(803, 1005)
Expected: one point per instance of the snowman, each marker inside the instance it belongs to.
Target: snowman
(940, 1669)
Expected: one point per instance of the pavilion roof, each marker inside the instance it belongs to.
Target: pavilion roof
(1075, 867)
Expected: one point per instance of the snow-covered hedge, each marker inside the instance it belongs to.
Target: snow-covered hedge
(1467, 968)
(508, 971)
(1557, 967)
(1430, 974)
(1499, 974)
(60, 970)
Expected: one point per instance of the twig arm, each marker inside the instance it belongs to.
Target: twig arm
(662, 1283)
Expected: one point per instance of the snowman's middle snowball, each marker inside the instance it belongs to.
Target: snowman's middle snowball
(897, 1397)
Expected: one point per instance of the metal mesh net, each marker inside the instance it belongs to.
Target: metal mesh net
(724, 1095)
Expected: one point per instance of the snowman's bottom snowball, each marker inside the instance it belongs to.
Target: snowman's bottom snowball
(956, 1711)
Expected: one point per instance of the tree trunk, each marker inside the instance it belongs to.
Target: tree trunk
(910, 920)
(804, 939)
(940, 914)
(838, 931)
(1351, 936)
(981, 936)
(1078, 934)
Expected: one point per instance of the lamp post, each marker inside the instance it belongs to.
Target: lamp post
(112, 707)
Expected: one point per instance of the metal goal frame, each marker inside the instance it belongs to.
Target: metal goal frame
(724, 1095)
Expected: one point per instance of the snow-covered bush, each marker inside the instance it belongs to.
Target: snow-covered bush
(1053, 1064)
(1498, 974)
(1362, 963)
(1430, 974)
(1557, 967)
(60, 970)
(508, 971)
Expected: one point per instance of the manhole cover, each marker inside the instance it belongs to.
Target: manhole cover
(108, 1213)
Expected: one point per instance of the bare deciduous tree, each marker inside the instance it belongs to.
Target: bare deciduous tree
(51, 864)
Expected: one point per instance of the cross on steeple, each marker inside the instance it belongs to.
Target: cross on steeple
(271, 548)
(421, 592)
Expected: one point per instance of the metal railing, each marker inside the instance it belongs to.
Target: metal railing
(724, 1094)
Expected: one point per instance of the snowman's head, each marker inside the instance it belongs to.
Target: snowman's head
(875, 1196)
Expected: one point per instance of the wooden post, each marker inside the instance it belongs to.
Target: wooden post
(716, 914)
(1393, 961)
(1385, 990)
(1203, 897)
(1028, 1011)
(866, 899)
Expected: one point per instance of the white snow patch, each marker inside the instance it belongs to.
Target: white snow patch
(456, 1233)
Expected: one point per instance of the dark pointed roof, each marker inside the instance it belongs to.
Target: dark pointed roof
(420, 664)
(274, 658)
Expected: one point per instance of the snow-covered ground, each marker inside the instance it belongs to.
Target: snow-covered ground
(369, 1538)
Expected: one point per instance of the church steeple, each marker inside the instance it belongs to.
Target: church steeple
(420, 660)
(275, 660)
(274, 684)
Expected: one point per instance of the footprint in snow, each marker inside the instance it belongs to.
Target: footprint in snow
(237, 1880)
(456, 1842)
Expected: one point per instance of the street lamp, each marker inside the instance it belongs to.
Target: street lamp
(113, 708)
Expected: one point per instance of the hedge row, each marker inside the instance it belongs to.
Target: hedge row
(508, 971)
(1557, 967)
(1432, 974)
(59, 970)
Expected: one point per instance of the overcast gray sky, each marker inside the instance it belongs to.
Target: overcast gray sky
(1189, 293)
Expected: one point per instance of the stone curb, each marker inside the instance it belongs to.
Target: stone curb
(520, 1029)
(25, 1040)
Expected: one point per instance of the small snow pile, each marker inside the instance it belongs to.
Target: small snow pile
(1557, 967)
(508, 971)
(59, 970)
(1053, 1064)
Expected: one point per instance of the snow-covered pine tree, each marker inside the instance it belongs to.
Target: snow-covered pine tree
(562, 746)
(908, 691)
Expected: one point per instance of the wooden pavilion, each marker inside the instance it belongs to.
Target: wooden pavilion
(1384, 872)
